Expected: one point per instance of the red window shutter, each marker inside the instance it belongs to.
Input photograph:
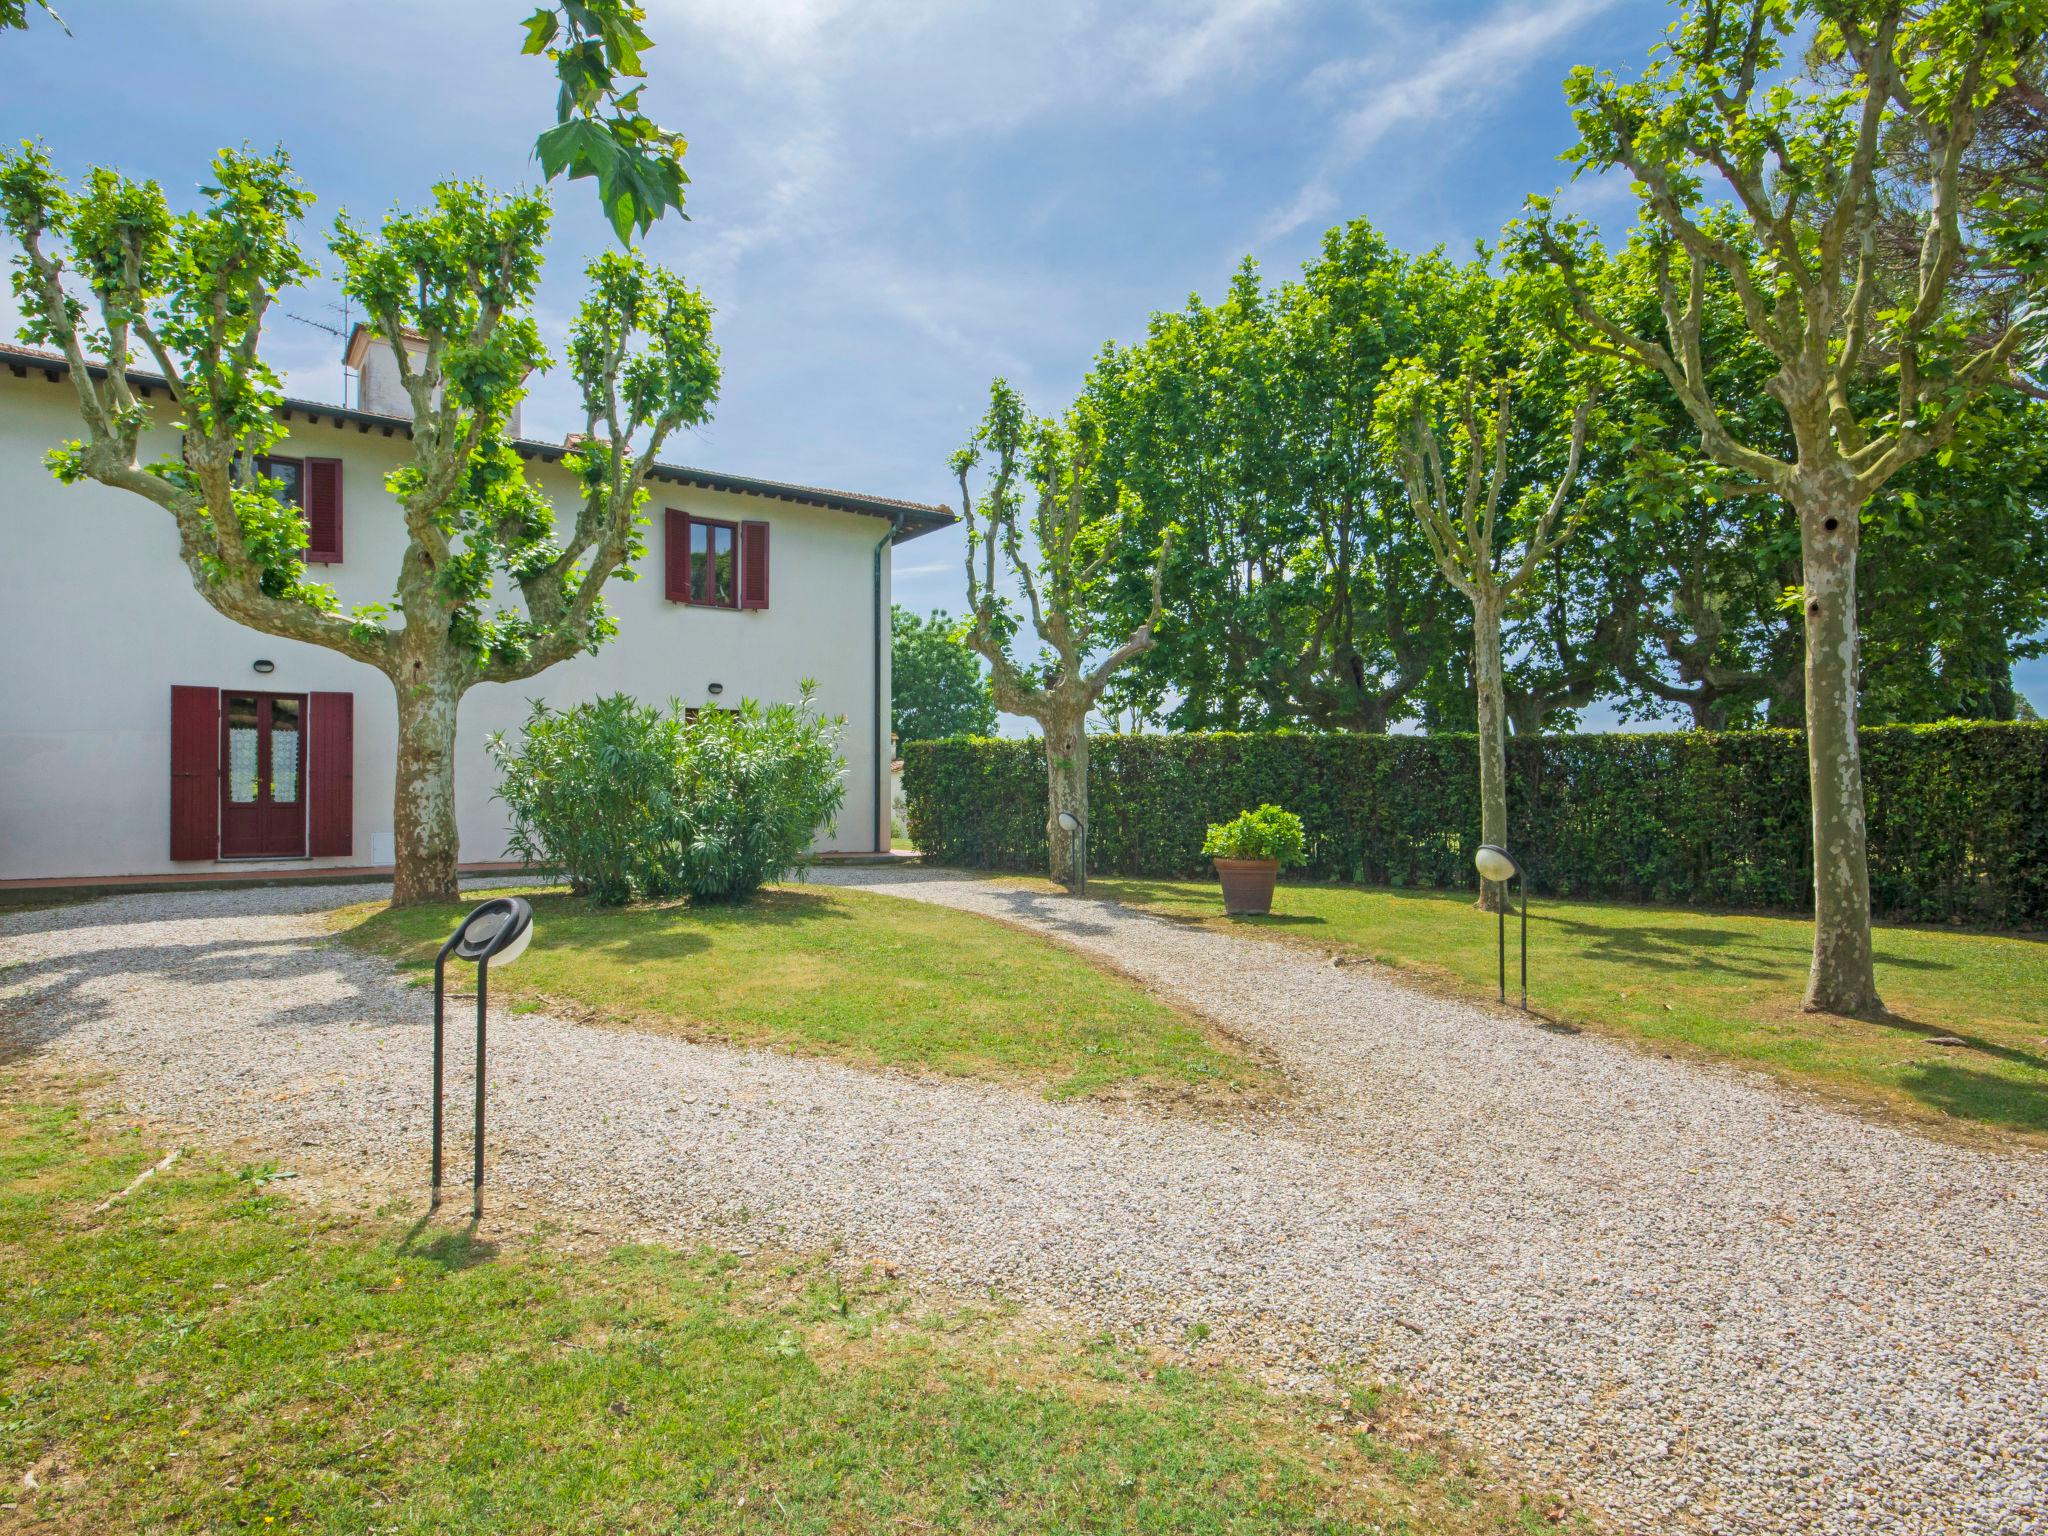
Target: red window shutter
(323, 511)
(753, 565)
(195, 773)
(675, 555)
(331, 769)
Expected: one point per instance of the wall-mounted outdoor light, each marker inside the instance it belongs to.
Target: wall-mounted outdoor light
(499, 931)
(266, 667)
(1495, 863)
(715, 689)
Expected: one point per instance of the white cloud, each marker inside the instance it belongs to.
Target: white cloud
(797, 41)
(1457, 79)
(829, 94)
(1220, 42)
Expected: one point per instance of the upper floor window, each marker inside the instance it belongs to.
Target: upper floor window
(713, 564)
(290, 474)
(714, 551)
(314, 487)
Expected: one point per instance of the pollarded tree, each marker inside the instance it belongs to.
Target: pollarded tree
(1476, 503)
(1811, 193)
(191, 290)
(1062, 554)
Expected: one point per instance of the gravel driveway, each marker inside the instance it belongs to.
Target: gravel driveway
(1696, 1301)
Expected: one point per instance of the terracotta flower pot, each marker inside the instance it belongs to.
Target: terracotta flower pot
(1247, 885)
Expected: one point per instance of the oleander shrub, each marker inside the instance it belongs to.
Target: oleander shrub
(1958, 813)
(1266, 833)
(637, 802)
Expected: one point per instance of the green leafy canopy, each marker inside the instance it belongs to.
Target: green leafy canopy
(448, 289)
(937, 685)
(600, 130)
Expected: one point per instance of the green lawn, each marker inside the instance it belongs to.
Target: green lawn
(871, 979)
(1725, 986)
(209, 1355)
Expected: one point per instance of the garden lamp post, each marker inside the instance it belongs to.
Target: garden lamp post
(499, 930)
(1495, 863)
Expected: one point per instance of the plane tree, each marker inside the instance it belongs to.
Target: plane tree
(112, 275)
(1047, 525)
(1489, 446)
(1301, 589)
(1783, 193)
(1195, 426)
(936, 686)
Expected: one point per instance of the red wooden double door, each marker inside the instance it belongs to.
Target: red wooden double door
(258, 775)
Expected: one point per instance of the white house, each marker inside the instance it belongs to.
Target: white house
(144, 734)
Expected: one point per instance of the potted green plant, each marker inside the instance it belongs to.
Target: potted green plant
(1249, 854)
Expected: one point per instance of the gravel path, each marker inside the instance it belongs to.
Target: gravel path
(1698, 1302)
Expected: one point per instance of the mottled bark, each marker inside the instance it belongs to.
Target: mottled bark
(423, 812)
(1842, 978)
(1066, 775)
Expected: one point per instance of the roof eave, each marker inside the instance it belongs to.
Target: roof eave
(916, 518)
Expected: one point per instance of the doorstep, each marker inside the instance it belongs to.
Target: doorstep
(19, 891)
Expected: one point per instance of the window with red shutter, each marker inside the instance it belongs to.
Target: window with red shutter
(314, 487)
(323, 511)
(701, 561)
(753, 565)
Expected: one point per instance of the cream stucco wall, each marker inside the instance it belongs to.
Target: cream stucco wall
(98, 619)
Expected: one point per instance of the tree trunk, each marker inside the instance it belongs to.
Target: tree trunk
(1525, 714)
(1493, 752)
(1842, 979)
(424, 814)
(1066, 770)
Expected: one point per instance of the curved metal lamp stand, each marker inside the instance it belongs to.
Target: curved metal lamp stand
(498, 930)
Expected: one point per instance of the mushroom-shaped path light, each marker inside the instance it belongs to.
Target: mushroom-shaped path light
(498, 932)
(495, 933)
(1495, 863)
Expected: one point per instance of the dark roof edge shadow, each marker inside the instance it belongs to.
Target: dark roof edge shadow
(914, 517)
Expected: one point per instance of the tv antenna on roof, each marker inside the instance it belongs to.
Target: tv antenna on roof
(343, 331)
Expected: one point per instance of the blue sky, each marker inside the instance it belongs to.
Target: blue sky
(892, 201)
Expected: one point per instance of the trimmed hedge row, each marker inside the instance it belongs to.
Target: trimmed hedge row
(1958, 813)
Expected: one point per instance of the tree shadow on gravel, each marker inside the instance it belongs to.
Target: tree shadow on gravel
(49, 996)
(1062, 912)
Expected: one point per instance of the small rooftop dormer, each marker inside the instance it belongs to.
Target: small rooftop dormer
(378, 388)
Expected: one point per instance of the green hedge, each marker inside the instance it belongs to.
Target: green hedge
(1958, 813)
